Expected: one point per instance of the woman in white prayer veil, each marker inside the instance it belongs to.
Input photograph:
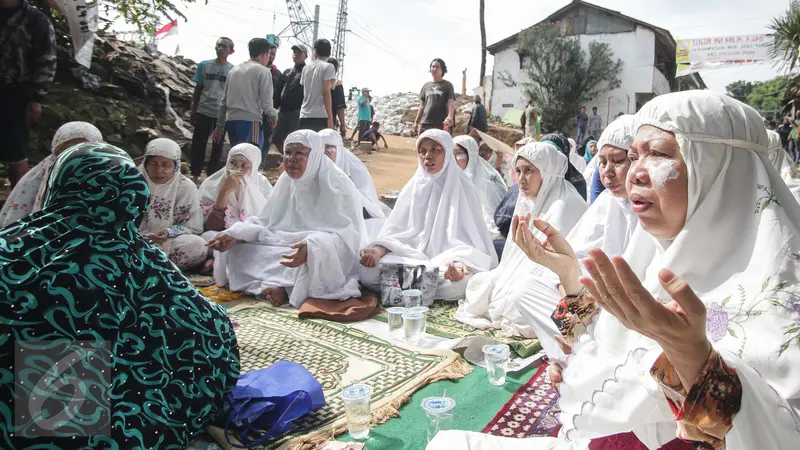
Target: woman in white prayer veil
(174, 219)
(491, 187)
(27, 196)
(359, 174)
(305, 242)
(576, 159)
(610, 221)
(235, 193)
(437, 221)
(495, 299)
(232, 195)
(783, 164)
(696, 335)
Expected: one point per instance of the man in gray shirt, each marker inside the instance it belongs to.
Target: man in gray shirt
(248, 95)
(318, 77)
(595, 124)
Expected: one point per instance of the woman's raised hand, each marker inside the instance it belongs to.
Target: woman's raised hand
(554, 253)
(679, 326)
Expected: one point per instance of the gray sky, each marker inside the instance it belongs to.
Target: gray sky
(393, 41)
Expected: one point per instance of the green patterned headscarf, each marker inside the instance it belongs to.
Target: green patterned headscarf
(78, 270)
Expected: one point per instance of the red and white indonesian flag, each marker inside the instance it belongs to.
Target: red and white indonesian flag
(170, 29)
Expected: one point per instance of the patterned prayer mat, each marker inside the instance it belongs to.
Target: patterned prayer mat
(442, 324)
(531, 412)
(337, 356)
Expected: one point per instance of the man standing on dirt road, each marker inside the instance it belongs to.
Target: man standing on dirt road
(317, 80)
(291, 98)
(209, 85)
(27, 68)
(247, 96)
(277, 87)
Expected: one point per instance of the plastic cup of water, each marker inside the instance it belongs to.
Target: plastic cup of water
(424, 310)
(396, 322)
(412, 326)
(412, 298)
(440, 414)
(496, 362)
(356, 400)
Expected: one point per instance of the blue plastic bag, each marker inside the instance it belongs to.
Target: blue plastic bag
(264, 403)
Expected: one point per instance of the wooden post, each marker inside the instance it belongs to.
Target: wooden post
(629, 105)
(464, 82)
(608, 112)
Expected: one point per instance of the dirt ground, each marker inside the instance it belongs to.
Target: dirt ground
(392, 168)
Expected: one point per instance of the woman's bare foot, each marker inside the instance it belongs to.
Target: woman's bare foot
(276, 296)
(371, 256)
(208, 267)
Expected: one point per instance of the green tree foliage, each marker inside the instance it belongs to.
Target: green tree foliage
(768, 96)
(144, 15)
(761, 95)
(786, 31)
(560, 76)
(741, 89)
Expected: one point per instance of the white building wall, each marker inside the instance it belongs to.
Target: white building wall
(635, 49)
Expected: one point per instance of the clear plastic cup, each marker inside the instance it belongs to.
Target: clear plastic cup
(412, 327)
(356, 400)
(424, 310)
(496, 362)
(412, 298)
(440, 414)
(396, 322)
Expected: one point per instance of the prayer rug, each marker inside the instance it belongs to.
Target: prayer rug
(200, 281)
(337, 356)
(442, 324)
(531, 412)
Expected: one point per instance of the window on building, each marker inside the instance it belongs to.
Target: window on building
(521, 61)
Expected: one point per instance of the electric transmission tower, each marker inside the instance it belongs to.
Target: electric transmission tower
(341, 33)
(302, 26)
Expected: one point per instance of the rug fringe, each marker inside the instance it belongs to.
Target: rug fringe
(458, 369)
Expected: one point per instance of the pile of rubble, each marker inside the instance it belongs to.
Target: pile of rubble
(395, 112)
(131, 93)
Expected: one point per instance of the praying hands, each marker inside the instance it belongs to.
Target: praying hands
(679, 327)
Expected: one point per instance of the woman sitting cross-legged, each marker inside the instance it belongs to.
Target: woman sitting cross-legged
(234, 194)
(28, 195)
(691, 340)
(306, 240)
(495, 299)
(437, 221)
(490, 185)
(173, 220)
(610, 221)
(134, 355)
(355, 169)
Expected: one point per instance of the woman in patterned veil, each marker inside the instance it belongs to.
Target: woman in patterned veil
(79, 274)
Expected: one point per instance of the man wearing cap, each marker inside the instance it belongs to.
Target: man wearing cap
(364, 115)
(317, 79)
(291, 98)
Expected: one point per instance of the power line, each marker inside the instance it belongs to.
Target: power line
(388, 52)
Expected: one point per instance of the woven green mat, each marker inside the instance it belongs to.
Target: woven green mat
(337, 356)
(442, 324)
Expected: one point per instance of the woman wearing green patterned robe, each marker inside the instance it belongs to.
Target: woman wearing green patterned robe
(103, 343)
